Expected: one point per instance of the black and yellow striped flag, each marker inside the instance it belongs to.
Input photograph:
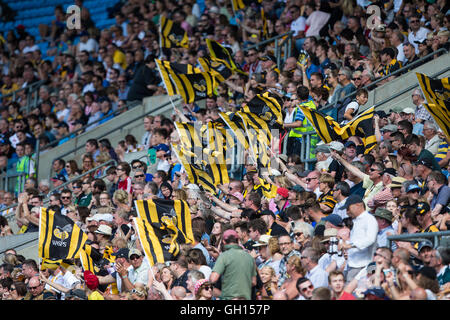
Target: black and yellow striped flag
(362, 126)
(437, 94)
(192, 139)
(172, 35)
(166, 75)
(184, 68)
(329, 130)
(268, 107)
(218, 69)
(259, 137)
(59, 236)
(194, 87)
(108, 254)
(268, 190)
(162, 226)
(216, 156)
(54, 264)
(222, 54)
(195, 172)
(87, 263)
(265, 31)
(237, 127)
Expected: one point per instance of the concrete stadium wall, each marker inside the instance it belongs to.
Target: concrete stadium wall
(401, 83)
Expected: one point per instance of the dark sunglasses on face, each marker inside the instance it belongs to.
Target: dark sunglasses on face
(306, 288)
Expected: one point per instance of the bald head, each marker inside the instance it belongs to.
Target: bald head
(178, 293)
(418, 294)
(35, 286)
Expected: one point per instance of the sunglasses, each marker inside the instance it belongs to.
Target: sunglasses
(308, 180)
(354, 79)
(208, 287)
(139, 176)
(33, 288)
(298, 234)
(134, 257)
(65, 197)
(137, 167)
(310, 287)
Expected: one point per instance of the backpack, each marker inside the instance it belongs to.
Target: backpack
(340, 107)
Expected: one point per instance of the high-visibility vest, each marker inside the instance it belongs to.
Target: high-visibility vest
(306, 126)
(22, 166)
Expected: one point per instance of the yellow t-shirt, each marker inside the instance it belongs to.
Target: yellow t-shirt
(95, 296)
(119, 58)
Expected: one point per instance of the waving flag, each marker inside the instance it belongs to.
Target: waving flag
(268, 107)
(195, 87)
(218, 69)
(221, 54)
(172, 34)
(59, 236)
(330, 130)
(437, 94)
(162, 226)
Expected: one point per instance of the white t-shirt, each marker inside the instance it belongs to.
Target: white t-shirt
(30, 49)
(352, 105)
(316, 21)
(206, 271)
(90, 46)
(298, 25)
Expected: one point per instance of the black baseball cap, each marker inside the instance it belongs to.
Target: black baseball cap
(352, 199)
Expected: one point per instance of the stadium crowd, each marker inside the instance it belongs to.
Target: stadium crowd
(324, 236)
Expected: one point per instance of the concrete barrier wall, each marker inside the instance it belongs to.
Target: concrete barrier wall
(396, 85)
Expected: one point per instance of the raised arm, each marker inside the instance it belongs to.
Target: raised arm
(348, 165)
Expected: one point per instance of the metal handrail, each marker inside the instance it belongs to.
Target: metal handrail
(290, 33)
(416, 237)
(31, 88)
(406, 90)
(114, 162)
(10, 216)
(287, 46)
(399, 71)
(114, 129)
(115, 113)
(305, 144)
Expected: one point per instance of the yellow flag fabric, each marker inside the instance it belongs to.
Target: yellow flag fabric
(437, 94)
(329, 130)
(172, 34)
(59, 236)
(162, 226)
(195, 87)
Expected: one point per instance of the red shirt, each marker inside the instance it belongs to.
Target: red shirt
(346, 296)
(125, 185)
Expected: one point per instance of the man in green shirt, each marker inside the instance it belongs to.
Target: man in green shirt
(82, 199)
(413, 144)
(236, 267)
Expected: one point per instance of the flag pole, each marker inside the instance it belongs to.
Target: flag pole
(165, 86)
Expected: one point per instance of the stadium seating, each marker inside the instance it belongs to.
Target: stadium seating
(33, 13)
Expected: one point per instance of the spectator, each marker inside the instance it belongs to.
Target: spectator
(234, 284)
